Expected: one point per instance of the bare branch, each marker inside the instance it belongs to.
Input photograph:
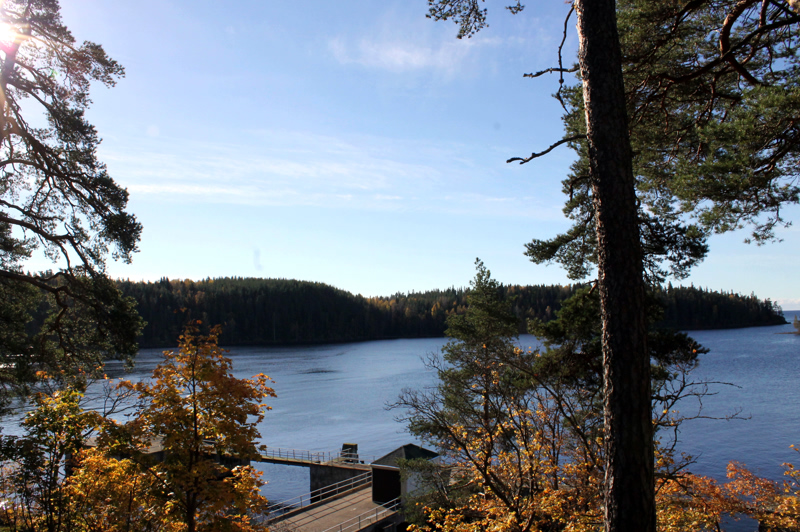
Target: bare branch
(560, 69)
(548, 150)
(549, 71)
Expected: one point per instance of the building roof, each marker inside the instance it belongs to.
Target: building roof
(408, 451)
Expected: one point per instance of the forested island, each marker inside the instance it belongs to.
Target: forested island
(256, 311)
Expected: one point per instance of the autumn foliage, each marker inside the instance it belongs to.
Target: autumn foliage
(202, 419)
(521, 435)
(196, 409)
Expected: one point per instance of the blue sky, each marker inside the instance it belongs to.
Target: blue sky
(355, 143)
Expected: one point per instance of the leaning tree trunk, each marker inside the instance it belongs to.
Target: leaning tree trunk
(629, 484)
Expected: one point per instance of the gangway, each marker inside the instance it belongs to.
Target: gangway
(288, 507)
(346, 495)
(351, 512)
(361, 521)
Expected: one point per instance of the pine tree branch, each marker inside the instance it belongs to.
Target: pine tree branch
(560, 69)
(548, 150)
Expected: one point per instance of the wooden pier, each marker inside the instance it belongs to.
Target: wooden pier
(300, 457)
(353, 512)
(346, 494)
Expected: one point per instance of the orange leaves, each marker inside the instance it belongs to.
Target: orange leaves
(198, 409)
(690, 502)
(194, 396)
(198, 415)
(773, 504)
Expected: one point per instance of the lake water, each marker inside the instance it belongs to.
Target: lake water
(331, 394)
(765, 368)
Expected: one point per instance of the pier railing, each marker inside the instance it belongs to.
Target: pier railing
(278, 509)
(314, 457)
(367, 518)
(296, 454)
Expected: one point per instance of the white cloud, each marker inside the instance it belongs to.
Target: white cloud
(398, 55)
(401, 42)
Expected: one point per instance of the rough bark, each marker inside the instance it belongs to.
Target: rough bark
(629, 484)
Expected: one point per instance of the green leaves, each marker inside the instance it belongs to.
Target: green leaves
(488, 318)
(42, 459)
(714, 133)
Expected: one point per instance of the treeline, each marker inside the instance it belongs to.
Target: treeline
(690, 308)
(282, 311)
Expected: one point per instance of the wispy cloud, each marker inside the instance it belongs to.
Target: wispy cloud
(398, 55)
(280, 168)
(400, 44)
(415, 44)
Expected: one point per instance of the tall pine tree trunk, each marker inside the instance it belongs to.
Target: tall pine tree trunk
(629, 481)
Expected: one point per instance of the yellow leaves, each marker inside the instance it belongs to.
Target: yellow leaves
(689, 502)
(115, 495)
(193, 398)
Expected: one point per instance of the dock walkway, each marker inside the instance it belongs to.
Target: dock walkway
(334, 513)
(347, 494)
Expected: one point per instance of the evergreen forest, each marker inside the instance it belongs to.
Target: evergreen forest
(256, 311)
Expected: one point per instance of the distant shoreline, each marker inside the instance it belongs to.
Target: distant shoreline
(286, 312)
(364, 340)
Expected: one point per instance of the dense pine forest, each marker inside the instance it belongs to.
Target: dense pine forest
(280, 311)
(690, 308)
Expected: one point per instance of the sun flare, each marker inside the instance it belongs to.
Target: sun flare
(8, 33)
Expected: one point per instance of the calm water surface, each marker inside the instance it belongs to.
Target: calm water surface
(327, 395)
(331, 394)
(764, 366)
